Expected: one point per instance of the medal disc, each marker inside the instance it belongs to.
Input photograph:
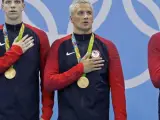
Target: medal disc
(10, 73)
(83, 82)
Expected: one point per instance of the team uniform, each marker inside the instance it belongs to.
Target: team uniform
(20, 96)
(62, 72)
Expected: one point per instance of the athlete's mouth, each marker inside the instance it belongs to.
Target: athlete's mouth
(85, 22)
(13, 11)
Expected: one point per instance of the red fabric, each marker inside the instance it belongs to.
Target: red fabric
(1, 26)
(10, 57)
(116, 80)
(53, 79)
(47, 97)
(154, 59)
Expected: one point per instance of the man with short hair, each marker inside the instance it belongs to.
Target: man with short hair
(23, 52)
(83, 67)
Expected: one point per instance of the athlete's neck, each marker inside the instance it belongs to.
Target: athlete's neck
(82, 37)
(14, 27)
(13, 22)
(76, 31)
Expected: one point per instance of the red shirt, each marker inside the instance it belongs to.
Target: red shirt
(154, 59)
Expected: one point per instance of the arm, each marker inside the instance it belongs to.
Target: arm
(116, 83)
(10, 57)
(47, 97)
(55, 80)
(154, 60)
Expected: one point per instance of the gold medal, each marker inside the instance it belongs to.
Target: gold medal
(83, 82)
(10, 73)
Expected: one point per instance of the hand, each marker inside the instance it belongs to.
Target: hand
(92, 64)
(41, 119)
(25, 44)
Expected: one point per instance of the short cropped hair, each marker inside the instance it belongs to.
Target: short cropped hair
(75, 2)
(3, 1)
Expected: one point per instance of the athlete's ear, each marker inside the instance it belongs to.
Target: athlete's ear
(71, 19)
(2, 6)
(23, 6)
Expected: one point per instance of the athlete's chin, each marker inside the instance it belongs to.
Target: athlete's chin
(13, 17)
(87, 29)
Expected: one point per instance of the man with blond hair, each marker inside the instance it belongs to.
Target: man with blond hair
(84, 68)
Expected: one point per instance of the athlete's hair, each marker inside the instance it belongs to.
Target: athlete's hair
(75, 2)
(4, 0)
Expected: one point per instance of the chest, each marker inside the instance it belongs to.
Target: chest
(31, 55)
(67, 55)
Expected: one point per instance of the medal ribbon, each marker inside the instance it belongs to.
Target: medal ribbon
(90, 46)
(7, 46)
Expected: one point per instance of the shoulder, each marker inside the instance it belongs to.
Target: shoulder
(155, 39)
(109, 44)
(1, 27)
(155, 36)
(59, 41)
(36, 30)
